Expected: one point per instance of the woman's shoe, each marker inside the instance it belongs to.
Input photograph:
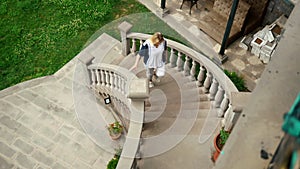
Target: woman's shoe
(151, 84)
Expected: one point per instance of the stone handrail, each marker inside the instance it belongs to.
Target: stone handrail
(126, 89)
(210, 76)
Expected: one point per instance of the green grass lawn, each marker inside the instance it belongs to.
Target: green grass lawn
(38, 37)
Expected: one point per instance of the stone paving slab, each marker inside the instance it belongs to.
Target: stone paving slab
(43, 138)
(40, 129)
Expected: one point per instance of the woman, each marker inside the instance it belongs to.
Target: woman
(152, 50)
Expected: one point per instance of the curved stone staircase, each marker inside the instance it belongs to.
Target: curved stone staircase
(175, 113)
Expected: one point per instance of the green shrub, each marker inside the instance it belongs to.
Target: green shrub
(112, 164)
(224, 136)
(237, 80)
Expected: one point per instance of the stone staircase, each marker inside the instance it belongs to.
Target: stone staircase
(172, 98)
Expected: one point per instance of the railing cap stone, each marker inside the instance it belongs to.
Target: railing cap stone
(138, 89)
(239, 100)
(125, 26)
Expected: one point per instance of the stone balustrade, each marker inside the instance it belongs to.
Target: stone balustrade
(127, 94)
(211, 77)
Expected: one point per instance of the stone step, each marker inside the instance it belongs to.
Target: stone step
(152, 113)
(175, 98)
(105, 49)
(180, 157)
(175, 106)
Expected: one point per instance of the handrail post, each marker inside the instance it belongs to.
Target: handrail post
(124, 28)
(162, 10)
(230, 21)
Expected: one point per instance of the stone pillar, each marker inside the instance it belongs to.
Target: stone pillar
(219, 97)
(102, 76)
(124, 28)
(238, 102)
(179, 62)
(111, 78)
(93, 77)
(186, 66)
(138, 89)
(193, 70)
(98, 77)
(201, 76)
(213, 89)
(133, 49)
(106, 78)
(207, 82)
(138, 92)
(172, 58)
(223, 106)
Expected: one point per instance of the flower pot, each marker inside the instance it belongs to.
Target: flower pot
(115, 136)
(115, 130)
(218, 150)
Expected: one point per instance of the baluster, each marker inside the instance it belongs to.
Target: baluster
(133, 49)
(172, 58)
(207, 82)
(213, 89)
(201, 76)
(102, 77)
(93, 77)
(167, 56)
(179, 62)
(228, 118)
(193, 70)
(111, 80)
(106, 78)
(115, 81)
(141, 42)
(124, 87)
(219, 96)
(186, 66)
(97, 77)
(120, 84)
(223, 106)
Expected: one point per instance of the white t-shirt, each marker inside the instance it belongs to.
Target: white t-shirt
(155, 55)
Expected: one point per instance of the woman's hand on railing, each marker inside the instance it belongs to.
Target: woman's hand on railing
(134, 67)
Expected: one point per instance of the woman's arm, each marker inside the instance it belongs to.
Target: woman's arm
(142, 53)
(138, 58)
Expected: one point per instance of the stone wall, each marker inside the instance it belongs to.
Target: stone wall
(276, 8)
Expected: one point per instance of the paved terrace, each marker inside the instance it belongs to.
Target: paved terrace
(39, 127)
(239, 60)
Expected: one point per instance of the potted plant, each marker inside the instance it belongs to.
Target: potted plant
(115, 130)
(112, 164)
(219, 142)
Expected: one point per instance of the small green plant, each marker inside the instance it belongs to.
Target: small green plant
(237, 80)
(115, 128)
(112, 164)
(223, 136)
